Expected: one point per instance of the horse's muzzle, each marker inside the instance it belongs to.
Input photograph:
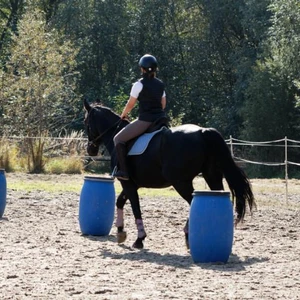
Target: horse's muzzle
(92, 149)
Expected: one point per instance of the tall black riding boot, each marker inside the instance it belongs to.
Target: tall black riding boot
(122, 172)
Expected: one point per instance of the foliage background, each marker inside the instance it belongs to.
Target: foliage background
(232, 65)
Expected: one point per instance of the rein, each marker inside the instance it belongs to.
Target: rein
(116, 124)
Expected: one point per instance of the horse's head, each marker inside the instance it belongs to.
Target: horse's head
(90, 128)
(101, 124)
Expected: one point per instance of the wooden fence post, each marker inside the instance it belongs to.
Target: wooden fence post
(231, 146)
(286, 169)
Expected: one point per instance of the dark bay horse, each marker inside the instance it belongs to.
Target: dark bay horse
(174, 157)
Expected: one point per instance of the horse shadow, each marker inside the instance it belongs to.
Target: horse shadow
(234, 263)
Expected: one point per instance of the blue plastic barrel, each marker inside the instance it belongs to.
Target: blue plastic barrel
(2, 192)
(96, 205)
(211, 226)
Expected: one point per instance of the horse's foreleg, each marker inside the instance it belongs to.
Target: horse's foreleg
(141, 234)
(121, 235)
(135, 205)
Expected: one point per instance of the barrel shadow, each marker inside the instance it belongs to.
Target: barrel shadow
(102, 238)
(234, 264)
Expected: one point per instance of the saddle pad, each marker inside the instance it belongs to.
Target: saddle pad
(142, 142)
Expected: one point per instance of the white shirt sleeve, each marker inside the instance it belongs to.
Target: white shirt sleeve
(136, 89)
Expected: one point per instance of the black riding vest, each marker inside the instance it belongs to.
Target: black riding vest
(150, 108)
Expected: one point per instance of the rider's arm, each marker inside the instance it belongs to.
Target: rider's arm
(134, 94)
(128, 107)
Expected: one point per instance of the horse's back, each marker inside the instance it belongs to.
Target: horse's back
(177, 153)
(186, 128)
(185, 136)
(183, 152)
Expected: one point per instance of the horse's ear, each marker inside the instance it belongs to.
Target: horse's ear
(86, 105)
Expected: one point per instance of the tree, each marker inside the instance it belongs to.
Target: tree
(99, 30)
(10, 12)
(274, 81)
(39, 85)
(270, 111)
(284, 46)
(231, 45)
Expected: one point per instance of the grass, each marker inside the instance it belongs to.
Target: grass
(43, 186)
(45, 183)
(74, 183)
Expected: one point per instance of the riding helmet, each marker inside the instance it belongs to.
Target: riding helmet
(148, 62)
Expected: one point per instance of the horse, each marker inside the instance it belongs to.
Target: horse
(174, 157)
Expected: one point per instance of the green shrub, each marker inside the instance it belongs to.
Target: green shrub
(71, 165)
(8, 156)
(99, 167)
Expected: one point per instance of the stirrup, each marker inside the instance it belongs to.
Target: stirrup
(115, 170)
(121, 175)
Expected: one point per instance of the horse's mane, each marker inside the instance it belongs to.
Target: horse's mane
(98, 104)
(108, 111)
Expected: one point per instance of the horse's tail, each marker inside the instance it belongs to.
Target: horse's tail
(237, 180)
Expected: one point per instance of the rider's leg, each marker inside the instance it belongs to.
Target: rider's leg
(121, 152)
(131, 131)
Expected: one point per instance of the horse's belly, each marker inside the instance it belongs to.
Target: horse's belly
(147, 172)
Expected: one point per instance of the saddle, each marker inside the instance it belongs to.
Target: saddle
(158, 124)
(138, 145)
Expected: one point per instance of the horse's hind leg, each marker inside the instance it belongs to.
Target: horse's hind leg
(185, 190)
(121, 200)
(214, 179)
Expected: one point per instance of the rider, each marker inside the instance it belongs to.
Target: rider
(149, 91)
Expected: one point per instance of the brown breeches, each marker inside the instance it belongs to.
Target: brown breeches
(131, 131)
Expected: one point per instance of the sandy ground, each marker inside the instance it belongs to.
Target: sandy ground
(43, 254)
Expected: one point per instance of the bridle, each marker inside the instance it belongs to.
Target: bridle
(116, 125)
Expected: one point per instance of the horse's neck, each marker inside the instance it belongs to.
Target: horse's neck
(108, 139)
(109, 145)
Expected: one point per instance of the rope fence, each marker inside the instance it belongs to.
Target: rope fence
(54, 142)
(76, 146)
(283, 143)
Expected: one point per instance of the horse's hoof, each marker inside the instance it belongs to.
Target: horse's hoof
(121, 236)
(138, 244)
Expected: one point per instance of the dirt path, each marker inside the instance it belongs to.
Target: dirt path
(44, 256)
